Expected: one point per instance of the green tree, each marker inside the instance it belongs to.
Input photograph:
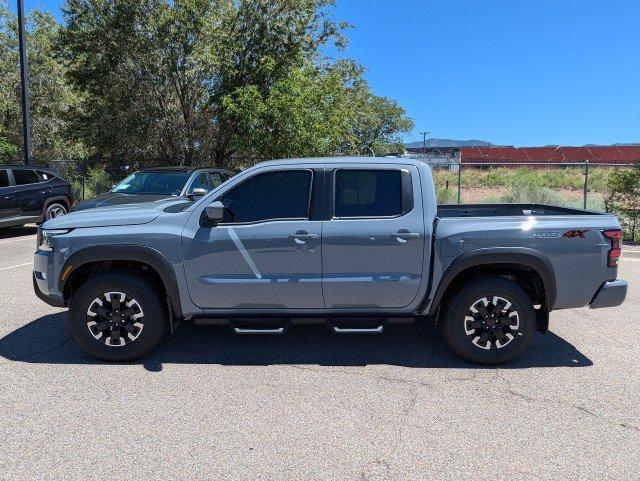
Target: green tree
(375, 122)
(624, 187)
(7, 151)
(145, 70)
(51, 96)
(623, 197)
(218, 82)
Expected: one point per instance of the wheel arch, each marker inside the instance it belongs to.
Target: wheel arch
(87, 260)
(50, 200)
(515, 262)
(57, 198)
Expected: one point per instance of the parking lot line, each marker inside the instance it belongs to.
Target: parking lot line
(17, 265)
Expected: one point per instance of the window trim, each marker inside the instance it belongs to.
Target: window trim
(406, 193)
(15, 183)
(275, 219)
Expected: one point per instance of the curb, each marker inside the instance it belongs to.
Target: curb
(634, 254)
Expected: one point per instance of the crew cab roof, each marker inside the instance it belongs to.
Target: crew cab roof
(342, 160)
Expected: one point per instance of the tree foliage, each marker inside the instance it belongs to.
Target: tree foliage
(623, 198)
(8, 151)
(193, 82)
(51, 95)
(624, 187)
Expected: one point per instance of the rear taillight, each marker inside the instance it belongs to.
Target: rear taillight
(615, 236)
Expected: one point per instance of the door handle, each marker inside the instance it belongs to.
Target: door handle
(302, 236)
(405, 235)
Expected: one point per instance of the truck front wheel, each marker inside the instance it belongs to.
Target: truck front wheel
(117, 316)
(488, 320)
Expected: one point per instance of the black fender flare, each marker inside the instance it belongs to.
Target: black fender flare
(499, 256)
(146, 255)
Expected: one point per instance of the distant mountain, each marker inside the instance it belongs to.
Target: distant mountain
(449, 143)
(620, 144)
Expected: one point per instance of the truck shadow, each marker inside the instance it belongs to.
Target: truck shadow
(47, 340)
(11, 232)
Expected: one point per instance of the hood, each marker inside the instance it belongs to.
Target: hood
(112, 198)
(128, 214)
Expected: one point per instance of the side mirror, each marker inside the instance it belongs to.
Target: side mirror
(197, 192)
(215, 211)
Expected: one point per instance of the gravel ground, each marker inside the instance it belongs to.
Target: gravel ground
(309, 405)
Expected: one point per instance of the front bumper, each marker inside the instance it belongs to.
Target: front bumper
(610, 294)
(44, 279)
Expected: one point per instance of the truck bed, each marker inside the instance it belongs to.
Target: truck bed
(507, 210)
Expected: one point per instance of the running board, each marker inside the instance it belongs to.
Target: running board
(357, 325)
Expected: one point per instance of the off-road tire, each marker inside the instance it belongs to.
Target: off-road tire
(138, 287)
(457, 305)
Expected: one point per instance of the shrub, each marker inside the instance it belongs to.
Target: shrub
(623, 198)
(97, 181)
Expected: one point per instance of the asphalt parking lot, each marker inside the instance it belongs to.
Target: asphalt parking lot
(310, 405)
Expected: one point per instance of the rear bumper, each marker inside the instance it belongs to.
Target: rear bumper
(610, 294)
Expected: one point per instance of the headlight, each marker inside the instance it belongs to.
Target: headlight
(45, 236)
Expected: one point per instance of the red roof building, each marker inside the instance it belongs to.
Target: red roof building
(627, 154)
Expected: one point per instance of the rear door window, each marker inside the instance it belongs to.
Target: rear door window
(4, 178)
(25, 176)
(368, 193)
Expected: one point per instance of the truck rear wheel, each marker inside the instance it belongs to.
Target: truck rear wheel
(117, 316)
(489, 320)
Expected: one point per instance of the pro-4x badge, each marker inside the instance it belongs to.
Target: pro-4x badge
(575, 233)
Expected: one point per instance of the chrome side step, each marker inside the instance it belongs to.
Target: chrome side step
(258, 326)
(239, 330)
(356, 330)
(358, 325)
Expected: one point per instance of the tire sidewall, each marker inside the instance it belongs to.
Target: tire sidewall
(47, 215)
(459, 308)
(137, 288)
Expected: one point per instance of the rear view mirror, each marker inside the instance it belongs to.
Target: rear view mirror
(215, 211)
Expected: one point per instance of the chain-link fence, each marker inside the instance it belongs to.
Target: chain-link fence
(90, 178)
(570, 184)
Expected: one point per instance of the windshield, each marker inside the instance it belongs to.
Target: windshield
(162, 183)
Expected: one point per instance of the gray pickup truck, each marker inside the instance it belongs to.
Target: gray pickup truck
(355, 243)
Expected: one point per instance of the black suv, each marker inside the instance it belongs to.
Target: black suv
(159, 183)
(32, 194)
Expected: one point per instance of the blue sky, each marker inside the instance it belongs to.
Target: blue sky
(513, 72)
